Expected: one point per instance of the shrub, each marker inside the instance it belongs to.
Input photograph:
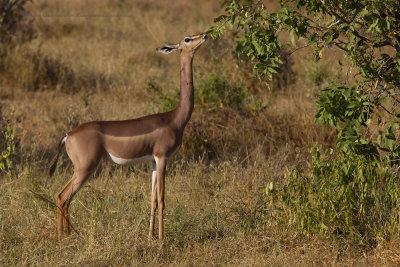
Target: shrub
(348, 196)
(43, 72)
(215, 90)
(51, 73)
(15, 27)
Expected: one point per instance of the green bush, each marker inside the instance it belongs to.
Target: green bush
(215, 90)
(352, 194)
(348, 196)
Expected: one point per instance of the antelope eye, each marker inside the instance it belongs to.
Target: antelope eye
(187, 40)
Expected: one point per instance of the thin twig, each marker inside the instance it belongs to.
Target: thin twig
(333, 24)
(304, 46)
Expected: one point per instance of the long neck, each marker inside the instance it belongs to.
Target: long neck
(186, 99)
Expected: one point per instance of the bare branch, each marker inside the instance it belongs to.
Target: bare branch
(333, 24)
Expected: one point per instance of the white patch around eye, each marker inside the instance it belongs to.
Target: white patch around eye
(122, 161)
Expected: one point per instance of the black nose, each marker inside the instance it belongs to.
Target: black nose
(204, 36)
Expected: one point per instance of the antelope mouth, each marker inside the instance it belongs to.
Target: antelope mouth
(202, 40)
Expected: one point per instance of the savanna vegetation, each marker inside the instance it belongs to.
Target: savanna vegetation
(290, 157)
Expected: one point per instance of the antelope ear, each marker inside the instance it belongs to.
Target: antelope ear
(166, 49)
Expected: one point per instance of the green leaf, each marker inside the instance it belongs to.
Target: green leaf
(272, 70)
(229, 23)
(292, 38)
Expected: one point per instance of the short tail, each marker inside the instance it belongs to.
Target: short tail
(54, 162)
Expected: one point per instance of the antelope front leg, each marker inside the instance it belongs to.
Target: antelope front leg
(161, 164)
(153, 199)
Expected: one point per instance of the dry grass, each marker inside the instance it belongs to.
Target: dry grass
(82, 68)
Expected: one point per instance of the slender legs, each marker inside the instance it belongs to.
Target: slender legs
(160, 186)
(64, 198)
(153, 198)
(157, 196)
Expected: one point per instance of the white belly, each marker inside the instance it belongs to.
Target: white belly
(122, 161)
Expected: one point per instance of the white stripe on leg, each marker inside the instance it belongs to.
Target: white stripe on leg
(154, 177)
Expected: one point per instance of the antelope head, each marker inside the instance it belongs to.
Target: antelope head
(188, 44)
